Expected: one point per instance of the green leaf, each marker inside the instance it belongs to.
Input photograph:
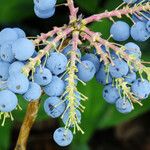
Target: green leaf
(15, 10)
(5, 134)
(89, 5)
(20, 114)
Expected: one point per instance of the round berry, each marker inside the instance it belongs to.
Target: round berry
(45, 4)
(16, 67)
(54, 107)
(86, 70)
(44, 14)
(141, 88)
(4, 70)
(63, 137)
(133, 49)
(42, 76)
(119, 69)
(55, 88)
(20, 33)
(18, 83)
(123, 106)
(8, 101)
(93, 58)
(110, 94)
(139, 32)
(120, 31)
(130, 77)
(6, 53)
(23, 49)
(57, 63)
(8, 35)
(34, 92)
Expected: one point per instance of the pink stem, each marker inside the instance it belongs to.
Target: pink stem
(73, 10)
(104, 56)
(115, 48)
(118, 13)
(44, 36)
(33, 62)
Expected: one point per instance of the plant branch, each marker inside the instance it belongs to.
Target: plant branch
(115, 48)
(45, 51)
(28, 122)
(104, 56)
(44, 36)
(73, 10)
(118, 13)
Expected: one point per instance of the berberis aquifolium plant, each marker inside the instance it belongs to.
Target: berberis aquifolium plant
(53, 63)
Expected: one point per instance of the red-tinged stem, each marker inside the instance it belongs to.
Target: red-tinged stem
(114, 47)
(118, 13)
(73, 10)
(104, 56)
(41, 54)
(44, 36)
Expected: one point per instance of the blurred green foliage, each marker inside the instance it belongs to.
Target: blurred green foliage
(98, 113)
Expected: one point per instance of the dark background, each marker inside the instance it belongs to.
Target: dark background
(105, 128)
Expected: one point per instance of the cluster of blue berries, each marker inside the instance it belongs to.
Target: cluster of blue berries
(44, 8)
(140, 30)
(15, 50)
(120, 79)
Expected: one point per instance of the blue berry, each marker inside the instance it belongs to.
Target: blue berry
(23, 49)
(120, 31)
(4, 70)
(63, 137)
(119, 69)
(130, 1)
(20, 33)
(93, 58)
(34, 92)
(123, 106)
(16, 67)
(8, 101)
(148, 26)
(45, 4)
(65, 117)
(56, 87)
(86, 70)
(66, 51)
(141, 88)
(141, 17)
(8, 35)
(57, 63)
(42, 76)
(6, 53)
(130, 77)
(54, 107)
(44, 14)
(139, 32)
(102, 76)
(110, 94)
(133, 49)
(18, 83)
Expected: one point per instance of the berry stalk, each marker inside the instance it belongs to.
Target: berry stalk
(28, 122)
(73, 10)
(118, 13)
(46, 50)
